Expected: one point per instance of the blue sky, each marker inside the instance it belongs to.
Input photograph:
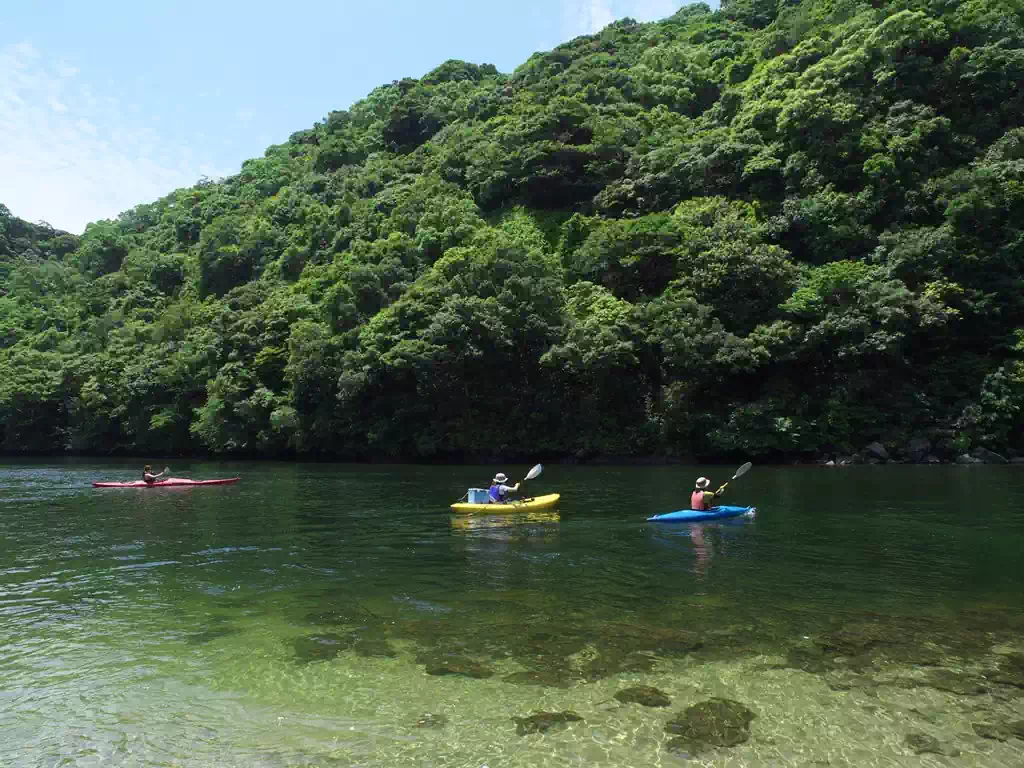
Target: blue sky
(109, 104)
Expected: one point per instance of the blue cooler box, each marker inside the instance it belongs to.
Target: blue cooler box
(478, 496)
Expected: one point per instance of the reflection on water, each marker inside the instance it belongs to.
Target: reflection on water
(322, 615)
(706, 540)
(500, 522)
(703, 550)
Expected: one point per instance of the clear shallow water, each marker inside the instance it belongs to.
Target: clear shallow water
(315, 615)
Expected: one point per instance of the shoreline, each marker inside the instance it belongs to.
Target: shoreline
(826, 461)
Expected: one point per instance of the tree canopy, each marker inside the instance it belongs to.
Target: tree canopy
(775, 229)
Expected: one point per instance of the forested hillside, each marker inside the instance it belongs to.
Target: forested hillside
(768, 230)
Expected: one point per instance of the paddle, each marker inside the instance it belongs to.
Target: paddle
(534, 471)
(739, 473)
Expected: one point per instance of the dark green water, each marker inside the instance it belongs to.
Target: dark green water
(316, 614)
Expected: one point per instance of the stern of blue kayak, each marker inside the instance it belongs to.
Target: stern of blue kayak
(695, 516)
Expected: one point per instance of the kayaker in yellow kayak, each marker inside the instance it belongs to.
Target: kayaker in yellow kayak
(498, 492)
(148, 476)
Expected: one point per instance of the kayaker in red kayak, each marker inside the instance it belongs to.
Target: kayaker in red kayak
(149, 477)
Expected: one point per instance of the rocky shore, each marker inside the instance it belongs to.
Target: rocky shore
(920, 450)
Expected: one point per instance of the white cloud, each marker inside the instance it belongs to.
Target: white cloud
(25, 50)
(67, 153)
(85, 126)
(585, 17)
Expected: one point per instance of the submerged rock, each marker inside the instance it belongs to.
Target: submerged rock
(676, 642)
(445, 664)
(431, 720)
(855, 639)
(990, 731)
(320, 647)
(545, 646)
(954, 682)
(645, 695)
(1010, 671)
(550, 678)
(541, 722)
(914, 655)
(632, 638)
(200, 638)
(811, 660)
(841, 680)
(712, 723)
(328, 645)
(552, 654)
(1016, 727)
(545, 655)
(1000, 731)
(610, 663)
(351, 615)
(374, 647)
(922, 744)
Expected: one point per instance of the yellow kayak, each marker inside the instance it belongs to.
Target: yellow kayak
(521, 505)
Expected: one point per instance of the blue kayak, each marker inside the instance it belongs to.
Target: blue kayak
(695, 516)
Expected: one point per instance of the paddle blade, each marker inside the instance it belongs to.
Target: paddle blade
(742, 470)
(537, 469)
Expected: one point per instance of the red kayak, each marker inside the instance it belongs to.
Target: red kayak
(168, 482)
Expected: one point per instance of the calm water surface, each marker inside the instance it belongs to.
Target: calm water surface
(339, 615)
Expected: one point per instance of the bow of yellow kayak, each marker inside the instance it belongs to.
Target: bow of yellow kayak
(521, 505)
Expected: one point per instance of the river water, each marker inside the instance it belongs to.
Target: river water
(340, 615)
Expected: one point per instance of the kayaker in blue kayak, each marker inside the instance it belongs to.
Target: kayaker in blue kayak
(148, 476)
(701, 499)
(498, 492)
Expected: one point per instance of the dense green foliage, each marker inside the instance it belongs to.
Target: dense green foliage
(775, 229)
